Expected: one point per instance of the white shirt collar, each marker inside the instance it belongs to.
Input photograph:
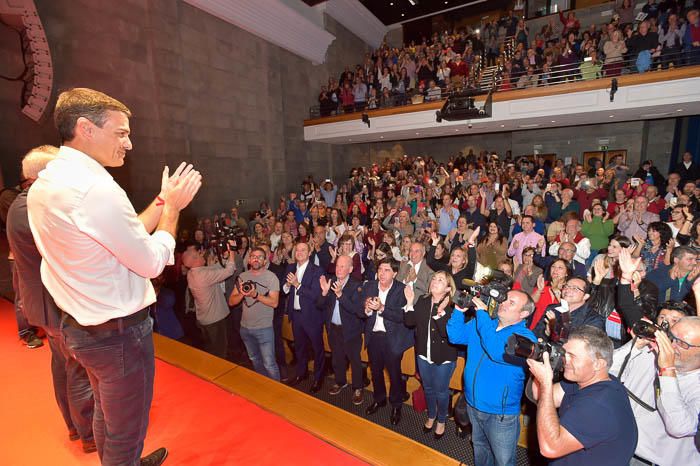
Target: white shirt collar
(75, 155)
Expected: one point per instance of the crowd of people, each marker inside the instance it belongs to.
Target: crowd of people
(563, 50)
(585, 252)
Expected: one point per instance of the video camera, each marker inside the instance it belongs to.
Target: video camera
(222, 234)
(493, 291)
(523, 347)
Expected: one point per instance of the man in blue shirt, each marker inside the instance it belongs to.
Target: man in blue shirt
(447, 216)
(595, 424)
(493, 381)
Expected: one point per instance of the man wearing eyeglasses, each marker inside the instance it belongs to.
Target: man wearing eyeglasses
(662, 377)
(573, 312)
(566, 252)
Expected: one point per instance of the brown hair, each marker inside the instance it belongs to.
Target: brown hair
(83, 102)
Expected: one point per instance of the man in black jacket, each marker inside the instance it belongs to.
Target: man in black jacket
(320, 254)
(343, 315)
(573, 312)
(688, 169)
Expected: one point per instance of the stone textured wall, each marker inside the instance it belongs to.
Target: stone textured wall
(199, 88)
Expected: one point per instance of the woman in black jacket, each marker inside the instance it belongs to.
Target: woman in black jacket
(436, 357)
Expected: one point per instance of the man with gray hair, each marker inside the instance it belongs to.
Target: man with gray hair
(415, 271)
(70, 381)
(595, 424)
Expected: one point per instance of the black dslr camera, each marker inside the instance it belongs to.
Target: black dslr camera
(522, 347)
(247, 286)
(645, 329)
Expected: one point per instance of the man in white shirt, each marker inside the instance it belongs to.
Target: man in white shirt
(97, 260)
(668, 422)
(205, 283)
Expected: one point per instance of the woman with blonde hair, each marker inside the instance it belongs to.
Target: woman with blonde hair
(435, 356)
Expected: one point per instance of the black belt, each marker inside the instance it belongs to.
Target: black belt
(117, 323)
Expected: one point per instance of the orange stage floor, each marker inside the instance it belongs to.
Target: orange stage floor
(198, 422)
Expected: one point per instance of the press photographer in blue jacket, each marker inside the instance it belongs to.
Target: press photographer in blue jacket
(493, 381)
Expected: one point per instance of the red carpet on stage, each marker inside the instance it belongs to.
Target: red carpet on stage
(198, 422)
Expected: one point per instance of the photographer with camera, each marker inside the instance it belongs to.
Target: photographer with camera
(493, 381)
(595, 424)
(204, 282)
(660, 369)
(258, 289)
(571, 313)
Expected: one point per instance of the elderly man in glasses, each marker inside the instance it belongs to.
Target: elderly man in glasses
(662, 376)
(572, 312)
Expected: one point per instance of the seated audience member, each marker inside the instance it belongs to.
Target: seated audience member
(493, 384)
(204, 282)
(650, 176)
(344, 319)
(386, 337)
(258, 290)
(654, 250)
(662, 374)
(571, 313)
(346, 247)
(436, 357)
(676, 280)
(588, 190)
(595, 424)
(548, 291)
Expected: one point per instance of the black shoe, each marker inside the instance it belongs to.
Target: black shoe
(337, 388)
(365, 383)
(156, 458)
(374, 407)
(395, 416)
(297, 380)
(32, 341)
(316, 387)
(73, 434)
(405, 397)
(89, 446)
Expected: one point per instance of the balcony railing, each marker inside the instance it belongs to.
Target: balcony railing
(558, 74)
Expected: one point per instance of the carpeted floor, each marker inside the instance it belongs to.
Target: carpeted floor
(199, 423)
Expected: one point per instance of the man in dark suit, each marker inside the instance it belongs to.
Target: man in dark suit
(304, 288)
(343, 315)
(688, 169)
(320, 253)
(415, 271)
(386, 336)
(70, 381)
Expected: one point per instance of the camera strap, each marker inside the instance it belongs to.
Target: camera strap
(657, 384)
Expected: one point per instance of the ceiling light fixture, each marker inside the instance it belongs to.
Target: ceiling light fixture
(417, 134)
(611, 116)
(554, 121)
(412, 2)
(679, 110)
(503, 126)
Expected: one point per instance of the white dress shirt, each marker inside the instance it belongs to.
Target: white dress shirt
(379, 322)
(98, 258)
(666, 435)
(300, 276)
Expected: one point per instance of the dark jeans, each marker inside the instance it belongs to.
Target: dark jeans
(23, 327)
(216, 338)
(343, 351)
(380, 357)
(71, 386)
(120, 364)
(436, 386)
(304, 337)
(495, 437)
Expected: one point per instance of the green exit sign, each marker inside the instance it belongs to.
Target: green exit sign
(602, 147)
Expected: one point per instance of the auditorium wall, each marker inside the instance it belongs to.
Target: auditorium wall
(642, 139)
(199, 88)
